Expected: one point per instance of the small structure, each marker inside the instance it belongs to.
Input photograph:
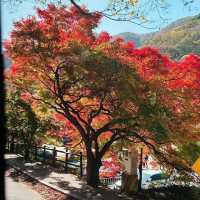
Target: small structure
(129, 176)
(130, 160)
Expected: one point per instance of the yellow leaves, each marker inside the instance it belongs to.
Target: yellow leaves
(143, 18)
(133, 2)
(84, 101)
(114, 13)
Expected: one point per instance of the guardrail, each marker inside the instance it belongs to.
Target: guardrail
(46, 154)
(78, 163)
(50, 155)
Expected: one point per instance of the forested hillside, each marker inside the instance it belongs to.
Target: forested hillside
(177, 39)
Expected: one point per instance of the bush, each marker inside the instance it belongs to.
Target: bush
(172, 193)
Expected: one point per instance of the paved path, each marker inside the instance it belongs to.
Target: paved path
(19, 191)
(64, 182)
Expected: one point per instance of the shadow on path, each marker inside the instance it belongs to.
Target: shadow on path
(66, 183)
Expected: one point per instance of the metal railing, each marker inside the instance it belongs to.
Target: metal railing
(67, 162)
(110, 181)
(49, 155)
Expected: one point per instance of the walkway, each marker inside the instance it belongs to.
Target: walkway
(19, 191)
(66, 183)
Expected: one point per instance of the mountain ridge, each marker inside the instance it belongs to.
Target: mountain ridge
(177, 39)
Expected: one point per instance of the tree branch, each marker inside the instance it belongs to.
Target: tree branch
(77, 144)
(82, 11)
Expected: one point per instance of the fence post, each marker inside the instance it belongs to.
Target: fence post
(140, 170)
(23, 149)
(54, 156)
(16, 148)
(81, 164)
(35, 152)
(66, 160)
(44, 154)
(7, 145)
(12, 145)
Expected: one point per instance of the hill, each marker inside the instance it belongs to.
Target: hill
(128, 36)
(177, 39)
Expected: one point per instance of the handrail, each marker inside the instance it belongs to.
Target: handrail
(69, 163)
(43, 154)
(60, 151)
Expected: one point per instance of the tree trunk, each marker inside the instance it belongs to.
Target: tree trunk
(93, 166)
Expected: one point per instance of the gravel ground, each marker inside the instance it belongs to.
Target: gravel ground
(45, 192)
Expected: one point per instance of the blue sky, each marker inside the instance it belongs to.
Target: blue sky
(175, 11)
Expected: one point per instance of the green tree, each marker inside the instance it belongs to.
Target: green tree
(23, 125)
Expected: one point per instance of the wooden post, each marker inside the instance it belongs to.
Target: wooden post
(35, 152)
(81, 164)
(12, 145)
(16, 148)
(54, 156)
(8, 145)
(23, 149)
(66, 160)
(140, 170)
(44, 154)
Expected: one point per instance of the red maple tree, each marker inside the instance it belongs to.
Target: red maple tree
(106, 89)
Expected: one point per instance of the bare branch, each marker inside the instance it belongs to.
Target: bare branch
(82, 11)
(79, 143)
(109, 143)
(95, 113)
